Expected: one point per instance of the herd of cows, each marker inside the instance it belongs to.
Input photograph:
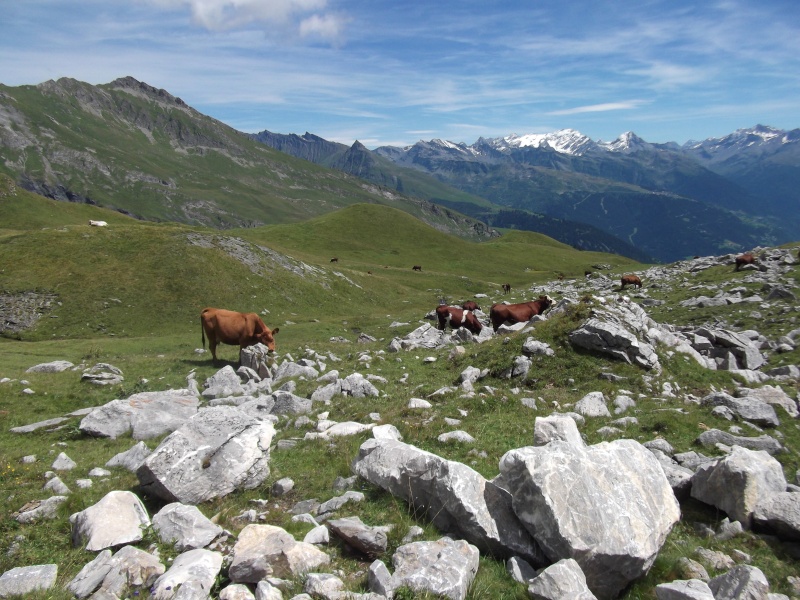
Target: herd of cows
(222, 326)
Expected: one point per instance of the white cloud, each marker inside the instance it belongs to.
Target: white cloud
(593, 108)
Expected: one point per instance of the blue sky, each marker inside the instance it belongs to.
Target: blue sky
(396, 72)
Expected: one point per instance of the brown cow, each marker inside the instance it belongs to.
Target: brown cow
(518, 313)
(458, 318)
(230, 327)
(506, 288)
(630, 280)
(335, 259)
(470, 305)
(416, 268)
(745, 259)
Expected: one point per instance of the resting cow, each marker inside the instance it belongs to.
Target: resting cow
(98, 223)
(458, 318)
(745, 259)
(630, 280)
(470, 305)
(230, 327)
(518, 313)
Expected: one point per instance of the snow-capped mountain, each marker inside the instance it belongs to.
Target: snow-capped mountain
(567, 141)
(760, 140)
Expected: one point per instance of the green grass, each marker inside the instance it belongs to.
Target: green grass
(131, 293)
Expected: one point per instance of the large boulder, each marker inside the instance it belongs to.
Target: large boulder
(780, 512)
(455, 497)
(608, 506)
(614, 340)
(219, 450)
(737, 482)
(562, 581)
(749, 408)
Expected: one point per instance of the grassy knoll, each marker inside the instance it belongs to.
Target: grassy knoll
(130, 295)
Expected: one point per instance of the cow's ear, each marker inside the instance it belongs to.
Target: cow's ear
(276, 330)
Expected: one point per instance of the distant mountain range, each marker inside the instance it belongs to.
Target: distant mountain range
(140, 150)
(669, 201)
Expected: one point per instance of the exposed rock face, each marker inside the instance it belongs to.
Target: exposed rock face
(185, 526)
(609, 506)
(456, 498)
(217, 451)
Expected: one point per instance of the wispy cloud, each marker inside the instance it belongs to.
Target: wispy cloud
(596, 108)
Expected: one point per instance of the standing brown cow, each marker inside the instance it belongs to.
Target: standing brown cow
(745, 259)
(470, 305)
(416, 268)
(517, 313)
(630, 280)
(230, 327)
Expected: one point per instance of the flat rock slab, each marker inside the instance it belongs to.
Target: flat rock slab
(21, 581)
(219, 450)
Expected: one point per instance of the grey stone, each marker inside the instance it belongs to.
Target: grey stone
(765, 443)
(145, 415)
(780, 512)
(217, 451)
(371, 541)
(56, 366)
(748, 408)
(444, 567)
(455, 497)
(194, 572)
(563, 580)
(268, 551)
(184, 525)
(40, 425)
(131, 459)
(556, 427)
(520, 570)
(21, 581)
(39, 509)
(742, 581)
(91, 576)
(608, 506)
(63, 463)
(592, 404)
(692, 589)
(117, 519)
(128, 568)
(737, 482)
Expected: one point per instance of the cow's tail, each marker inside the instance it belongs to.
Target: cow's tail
(202, 331)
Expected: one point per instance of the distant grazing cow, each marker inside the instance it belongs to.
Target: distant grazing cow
(745, 259)
(98, 223)
(416, 268)
(335, 259)
(518, 313)
(630, 280)
(230, 327)
(369, 272)
(470, 305)
(587, 273)
(458, 318)
(506, 288)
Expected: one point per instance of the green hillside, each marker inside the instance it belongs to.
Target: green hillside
(131, 147)
(135, 278)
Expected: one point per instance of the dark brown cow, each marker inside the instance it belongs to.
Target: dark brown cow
(518, 313)
(470, 305)
(335, 259)
(745, 259)
(630, 280)
(416, 268)
(230, 327)
(506, 288)
(458, 318)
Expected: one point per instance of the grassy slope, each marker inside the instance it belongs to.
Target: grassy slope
(161, 282)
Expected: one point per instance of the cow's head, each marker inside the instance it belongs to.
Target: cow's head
(267, 337)
(546, 302)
